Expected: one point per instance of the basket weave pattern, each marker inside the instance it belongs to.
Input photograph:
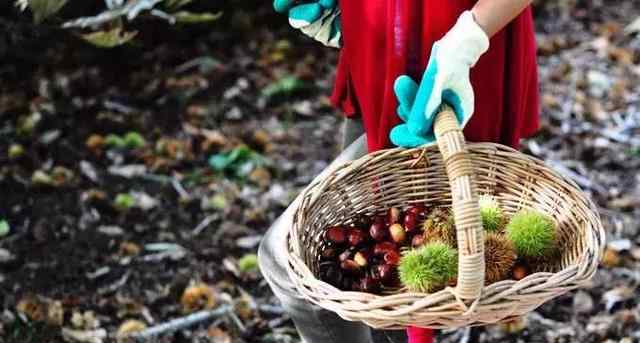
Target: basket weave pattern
(451, 174)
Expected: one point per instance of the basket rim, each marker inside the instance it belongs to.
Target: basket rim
(584, 265)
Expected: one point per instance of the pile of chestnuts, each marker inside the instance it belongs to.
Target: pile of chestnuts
(363, 256)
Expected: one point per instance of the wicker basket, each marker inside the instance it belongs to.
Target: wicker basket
(452, 178)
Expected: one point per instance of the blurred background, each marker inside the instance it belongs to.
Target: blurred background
(143, 155)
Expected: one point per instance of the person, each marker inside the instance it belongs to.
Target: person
(477, 56)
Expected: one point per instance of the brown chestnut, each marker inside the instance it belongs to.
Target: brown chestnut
(393, 215)
(385, 272)
(328, 253)
(345, 255)
(349, 265)
(410, 222)
(355, 237)
(392, 257)
(417, 240)
(369, 285)
(519, 272)
(384, 247)
(336, 234)
(378, 232)
(361, 258)
(417, 209)
(397, 233)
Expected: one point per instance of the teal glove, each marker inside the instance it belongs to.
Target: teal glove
(446, 79)
(319, 19)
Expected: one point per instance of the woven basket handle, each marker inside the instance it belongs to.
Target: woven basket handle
(466, 211)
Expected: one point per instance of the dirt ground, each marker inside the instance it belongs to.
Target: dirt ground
(129, 175)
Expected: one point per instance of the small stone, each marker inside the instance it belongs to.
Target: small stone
(619, 245)
(15, 151)
(5, 256)
(130, 326)
(111, 230)
(128, 171)
(39, 177)
(87, 169)
(616, 295)
(144, 200)
(582, 302)
(248, 242)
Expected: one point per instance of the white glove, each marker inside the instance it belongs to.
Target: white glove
(318, 19)
(446, 79)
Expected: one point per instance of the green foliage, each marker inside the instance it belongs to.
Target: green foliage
(133, 140)
(429, 267)
(283, 86)
(109, 39)
(124, 201)
(114, 141)
(532, 233)
(493, 218)
(238, 162)
(248, 263)
(43, 9)
(15, 151)
(109, 25)
(196, 18)
(4, 228)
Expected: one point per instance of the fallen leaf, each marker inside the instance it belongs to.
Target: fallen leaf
(197, 297)
(109, 39)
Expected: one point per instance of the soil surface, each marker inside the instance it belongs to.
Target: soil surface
(132, 174)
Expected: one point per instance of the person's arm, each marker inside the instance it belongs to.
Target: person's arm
(493, 15)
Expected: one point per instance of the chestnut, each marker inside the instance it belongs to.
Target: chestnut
(384, 271)
(330, 273)
(355, 237)
(392, 257)
(369, 285)
(417, 209)
(361, 258)
(381, 220)
(328, 253)
(345, 255)
(417, 240)
(519, 272)
(349, 265)
(336, 234)
(393, 215)
(383, 247)
(397, 233)
(410, 222)
(378, 232)
(361, 221)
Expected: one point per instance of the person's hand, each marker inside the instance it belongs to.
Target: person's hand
(319, 19)
(446, 79)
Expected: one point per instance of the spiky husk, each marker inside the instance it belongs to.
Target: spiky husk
(493, 218)
(532, 233)
(499, 258)
(428, 268)
(439, 226)
(549, 262)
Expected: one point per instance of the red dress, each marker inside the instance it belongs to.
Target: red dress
(384, 39)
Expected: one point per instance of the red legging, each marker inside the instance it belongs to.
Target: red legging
(419, 335)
